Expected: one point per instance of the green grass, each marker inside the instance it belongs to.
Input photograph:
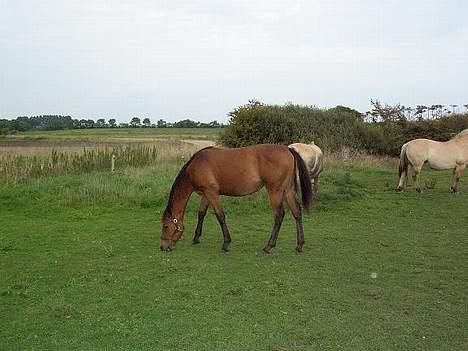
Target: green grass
(104, 133)
(81, 268)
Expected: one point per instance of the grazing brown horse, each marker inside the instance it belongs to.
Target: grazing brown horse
(212, 172)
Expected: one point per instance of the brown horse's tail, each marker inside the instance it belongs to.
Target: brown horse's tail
(304, 180)
(404, 162)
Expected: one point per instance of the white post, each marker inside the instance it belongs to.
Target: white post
(113, 163)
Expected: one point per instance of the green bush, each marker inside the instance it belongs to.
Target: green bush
(331, 129)
(257, 123)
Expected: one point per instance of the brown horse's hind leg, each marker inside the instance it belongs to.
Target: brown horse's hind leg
(276, 202)
(213, 199)
(457, 172)
(201, 216)
(297, 214)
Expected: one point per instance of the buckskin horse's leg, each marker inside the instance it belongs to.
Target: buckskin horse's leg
(201, 216)
(316, 184)
(297, 214)
(454, 180)
(276, 202)
(402, 181)
(416, 173)
(215, 203)
(457, 171)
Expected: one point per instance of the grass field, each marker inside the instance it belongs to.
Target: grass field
(81, 267)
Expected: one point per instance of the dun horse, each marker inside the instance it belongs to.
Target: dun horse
(452, 154)
(313, 158)
(212, 172)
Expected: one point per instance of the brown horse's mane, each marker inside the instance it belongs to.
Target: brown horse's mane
(180, 176)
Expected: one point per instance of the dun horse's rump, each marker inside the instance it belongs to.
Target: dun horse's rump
(313, 158)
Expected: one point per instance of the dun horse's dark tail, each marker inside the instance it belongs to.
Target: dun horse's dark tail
(303, 173)
(404, 162)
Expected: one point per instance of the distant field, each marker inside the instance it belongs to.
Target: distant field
(80, 266)
(106, 133)
(44, 147)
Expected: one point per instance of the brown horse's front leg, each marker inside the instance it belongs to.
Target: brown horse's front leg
(201, 216)
(279, 215)
(213, 199)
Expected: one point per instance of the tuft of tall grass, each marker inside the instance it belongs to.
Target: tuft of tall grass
(17, 168)
(353, 157)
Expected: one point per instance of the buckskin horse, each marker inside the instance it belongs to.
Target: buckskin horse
(212, 172)
(451, 154)
(313, 158)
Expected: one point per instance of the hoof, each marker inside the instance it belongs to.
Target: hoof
(453, 190)
(225, 247)
(419, 190)
(399, 189)
(267, 249)
(195, 241)
(298, 249)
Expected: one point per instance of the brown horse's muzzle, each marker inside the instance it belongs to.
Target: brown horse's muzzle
(167, 245)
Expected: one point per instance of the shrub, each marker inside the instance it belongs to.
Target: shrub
(257, 123)
(332, 129)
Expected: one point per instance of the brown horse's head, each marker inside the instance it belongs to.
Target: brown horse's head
(172, 230)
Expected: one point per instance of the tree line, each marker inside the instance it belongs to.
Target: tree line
(59, 122)
(381, 112)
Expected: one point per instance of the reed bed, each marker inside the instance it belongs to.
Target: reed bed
(18, 167)
(348, 156)
(20, 162)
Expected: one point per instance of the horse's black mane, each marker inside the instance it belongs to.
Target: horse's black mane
(167, 211)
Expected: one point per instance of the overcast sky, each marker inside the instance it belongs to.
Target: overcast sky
(200, 59)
